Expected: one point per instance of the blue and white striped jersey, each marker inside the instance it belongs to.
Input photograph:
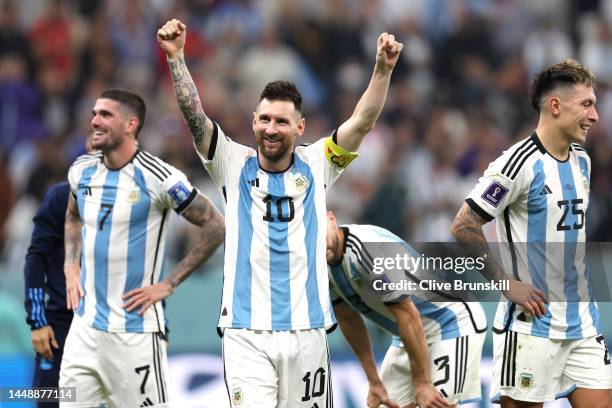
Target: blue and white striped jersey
(540, 205)
(125, 217)
(275, 273)
(441, 320)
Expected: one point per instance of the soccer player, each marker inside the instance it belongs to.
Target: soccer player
(538, 190)
(116, 224)
(276, 303)
(454, 330)
(45, 287)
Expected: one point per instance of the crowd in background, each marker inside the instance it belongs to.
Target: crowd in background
(458, 95)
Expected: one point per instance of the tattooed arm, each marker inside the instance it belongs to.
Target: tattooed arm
(72, 246)
(202, 213)
(171, 38)
(467, 230)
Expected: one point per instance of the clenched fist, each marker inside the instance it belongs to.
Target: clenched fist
(171, 37)
(387, 51)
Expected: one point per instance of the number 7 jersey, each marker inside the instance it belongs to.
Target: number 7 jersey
(275, 271)
(540, 204)
(125, 215)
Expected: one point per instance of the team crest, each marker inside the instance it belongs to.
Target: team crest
(297, 184)
(237, 396)
(526, 381)
(133, 196)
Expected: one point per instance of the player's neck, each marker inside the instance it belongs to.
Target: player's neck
(275, 166)
(553, 141)
(119, 156)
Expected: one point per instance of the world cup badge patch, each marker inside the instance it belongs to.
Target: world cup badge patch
(133, 196)
(525, 381)
(179, 193)
(495, 193)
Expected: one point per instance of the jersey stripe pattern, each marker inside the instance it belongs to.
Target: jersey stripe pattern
(275, 273)
(441, 320)
(540, 205)
(125, 215)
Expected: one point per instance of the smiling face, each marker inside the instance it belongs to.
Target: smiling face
(276, 125)
(576, 112)
(111, 124)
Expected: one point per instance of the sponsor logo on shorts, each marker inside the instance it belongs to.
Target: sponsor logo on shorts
(526, 381)
(495, 193)
(237, 396)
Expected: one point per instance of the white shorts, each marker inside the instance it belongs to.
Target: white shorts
(537, 369)
(277, 368)
(117, 369)
(455, 370)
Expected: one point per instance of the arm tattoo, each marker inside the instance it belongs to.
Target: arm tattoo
(189, 101)
(467, 230)
(72, 233)
(202, 213)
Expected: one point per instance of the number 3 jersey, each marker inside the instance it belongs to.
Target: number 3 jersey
(540, 204)
(125, 216)
(275, 272)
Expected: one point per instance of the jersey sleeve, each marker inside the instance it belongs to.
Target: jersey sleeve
(176, 191)
(223, 153)
(497, 188)
(331, 156)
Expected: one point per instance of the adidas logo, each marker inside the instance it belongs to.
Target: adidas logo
(546, 190)
(254, 183)
(147, 403)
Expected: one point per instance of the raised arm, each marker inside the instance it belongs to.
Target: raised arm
(202, 213)
(413, 337)
(356, 334)
(351, 132)
(467, 231)
(171, 38)
(72, 247)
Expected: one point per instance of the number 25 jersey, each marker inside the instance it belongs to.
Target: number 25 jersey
(540, 204)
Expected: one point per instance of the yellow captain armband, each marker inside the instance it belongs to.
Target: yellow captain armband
(337, 155)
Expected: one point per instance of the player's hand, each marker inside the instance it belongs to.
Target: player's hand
(387, 52)
(171, 37)
(377, 396)
(42, 340)
(523, 294)
(147, 296)
(74, 290)
(427, 396)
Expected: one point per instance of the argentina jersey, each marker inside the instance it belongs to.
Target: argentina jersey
(275, 273)
(356, 271)
(540, 204)
(125, 216)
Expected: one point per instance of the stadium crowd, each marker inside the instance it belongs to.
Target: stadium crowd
(457, 98)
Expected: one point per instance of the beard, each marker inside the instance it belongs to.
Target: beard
(274, 154)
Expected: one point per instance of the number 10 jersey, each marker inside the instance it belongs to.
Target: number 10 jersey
(275, 272)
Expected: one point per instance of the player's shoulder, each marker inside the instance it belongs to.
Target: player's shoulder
(87, 160)
(153, 166)
(519, 156)
(579, 151)
(371, 233)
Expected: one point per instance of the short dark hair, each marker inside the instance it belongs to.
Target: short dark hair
(566, 73)
(131, 100)
(282, 91)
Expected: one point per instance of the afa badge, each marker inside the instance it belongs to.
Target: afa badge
(133, 196)
(237, 396)
(179, 193)
(525, 381)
